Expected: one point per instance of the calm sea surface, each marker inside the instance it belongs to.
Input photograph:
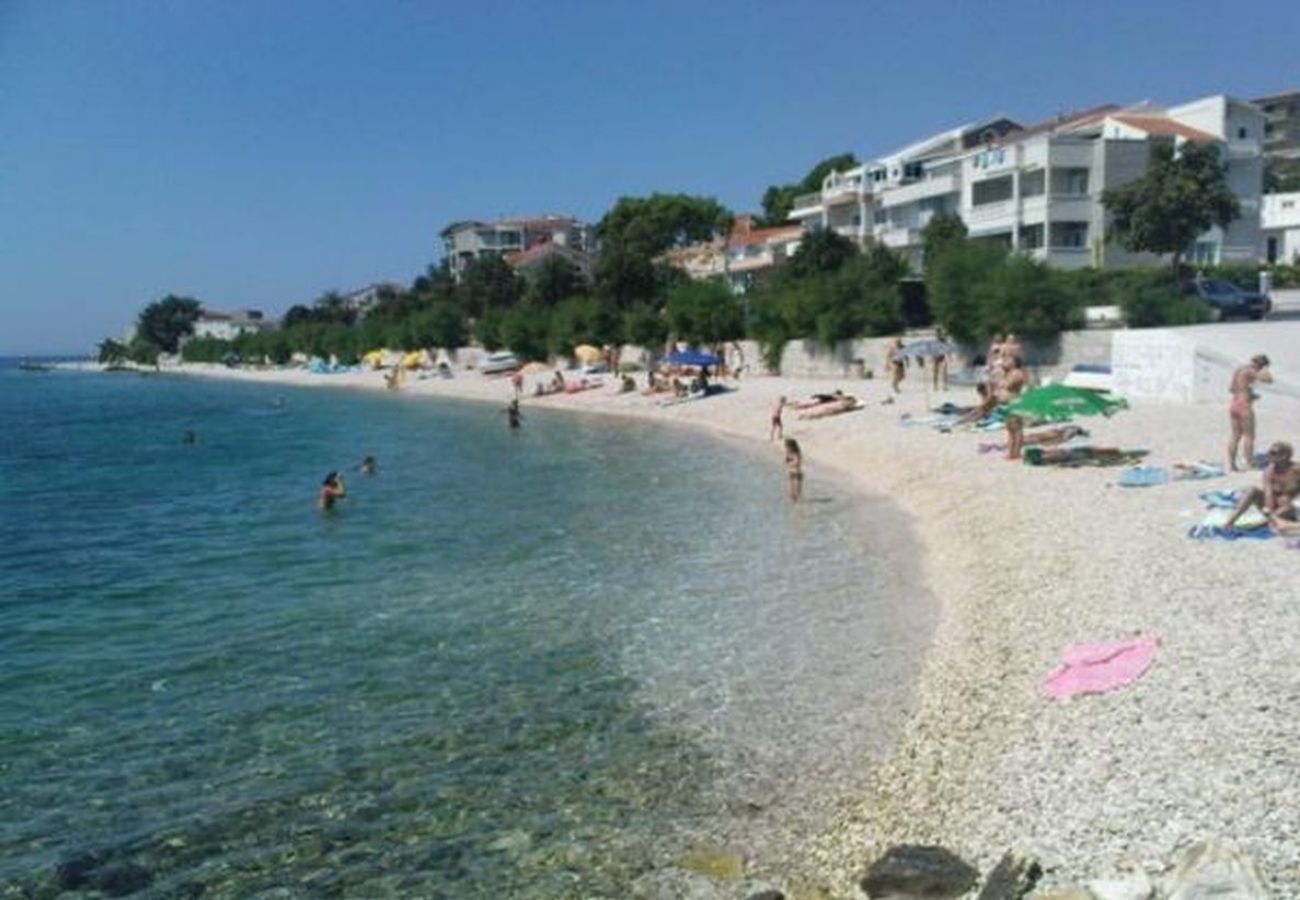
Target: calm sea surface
(533, 664)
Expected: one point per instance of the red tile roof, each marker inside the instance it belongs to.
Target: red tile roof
(1165, 126)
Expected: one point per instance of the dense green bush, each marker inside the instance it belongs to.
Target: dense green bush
(206, 350)
(705, 313)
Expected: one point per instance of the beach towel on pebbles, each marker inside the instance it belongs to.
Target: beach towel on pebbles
(1251, 524)
(1100, 668)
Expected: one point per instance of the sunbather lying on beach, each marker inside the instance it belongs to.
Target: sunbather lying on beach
(841, 404)
(1048, 437)
(1080, 456)
(1276, 495)
(816, 400)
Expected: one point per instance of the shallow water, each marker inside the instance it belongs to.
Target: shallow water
(535, 663)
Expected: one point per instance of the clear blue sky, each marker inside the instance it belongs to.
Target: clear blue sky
(256, 154)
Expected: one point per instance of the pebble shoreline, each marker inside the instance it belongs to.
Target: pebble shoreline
(1026, 561)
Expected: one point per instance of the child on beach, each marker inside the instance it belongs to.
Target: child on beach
(897, 362)
(332, 488)
(794, 469)
(778, 429)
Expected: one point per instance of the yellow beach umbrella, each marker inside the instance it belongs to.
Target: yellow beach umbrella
(411, 360)
(587, 353)
(534, 368)
(373, 359)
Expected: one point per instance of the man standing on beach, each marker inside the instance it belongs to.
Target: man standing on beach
(1241, 409)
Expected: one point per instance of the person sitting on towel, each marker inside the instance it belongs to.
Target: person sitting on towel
(1276, 495)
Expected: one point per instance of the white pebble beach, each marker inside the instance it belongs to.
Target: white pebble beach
(1025, 561)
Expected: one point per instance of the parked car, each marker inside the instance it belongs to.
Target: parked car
(1229, 300)
(497, 363)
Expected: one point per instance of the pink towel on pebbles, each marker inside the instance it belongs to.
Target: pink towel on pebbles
(1100, 668)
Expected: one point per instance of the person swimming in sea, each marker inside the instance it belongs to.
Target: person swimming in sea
(189, 439)
(513, 415)
(368, 466)
(331, 489)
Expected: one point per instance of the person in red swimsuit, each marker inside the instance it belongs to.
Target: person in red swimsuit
(1241, 409)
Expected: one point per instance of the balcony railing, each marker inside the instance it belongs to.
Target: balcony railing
(808, 201)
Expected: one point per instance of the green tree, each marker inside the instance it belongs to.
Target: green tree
(951, 279)
(556, 278)
(650, 225)
(524, 329)
(1023, 296)
(1179, 198)
(142, 350)
(705, 312)
(443, 326)
(489, 284)
(820, 252)
(164, 322)
(111, 351)
(583, 320)
(941, 231)
(645, 327)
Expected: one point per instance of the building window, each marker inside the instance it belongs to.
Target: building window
(1241, 133)
(994, 190)
(913, 170)
(1031, 236)
(1070, 235)
(1031, 183)
(1071, 182)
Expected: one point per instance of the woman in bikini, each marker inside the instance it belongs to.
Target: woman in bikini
(1241, 409)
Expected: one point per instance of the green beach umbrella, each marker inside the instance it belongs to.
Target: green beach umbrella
(1058, 401)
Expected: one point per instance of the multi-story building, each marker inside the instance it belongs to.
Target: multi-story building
(225, 326)
(464, 242)
(1281, 131)
(891, 199)
(363, 300)
(1039, 189)
(1280, 221)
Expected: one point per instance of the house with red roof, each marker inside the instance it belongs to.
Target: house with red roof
(466, 241)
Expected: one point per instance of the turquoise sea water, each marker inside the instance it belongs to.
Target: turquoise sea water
(533, 664)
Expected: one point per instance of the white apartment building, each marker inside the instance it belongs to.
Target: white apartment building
(1281, 226)
(227, 326)
(1038, 189)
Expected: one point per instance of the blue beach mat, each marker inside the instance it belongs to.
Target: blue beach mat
(1143, 476)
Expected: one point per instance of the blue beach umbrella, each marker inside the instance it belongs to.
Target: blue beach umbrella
(692, 358)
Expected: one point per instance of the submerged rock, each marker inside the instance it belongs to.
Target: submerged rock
(914, 870)
(1216, 869)
(715, 863)
(1012, 878)
(1133, 885)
